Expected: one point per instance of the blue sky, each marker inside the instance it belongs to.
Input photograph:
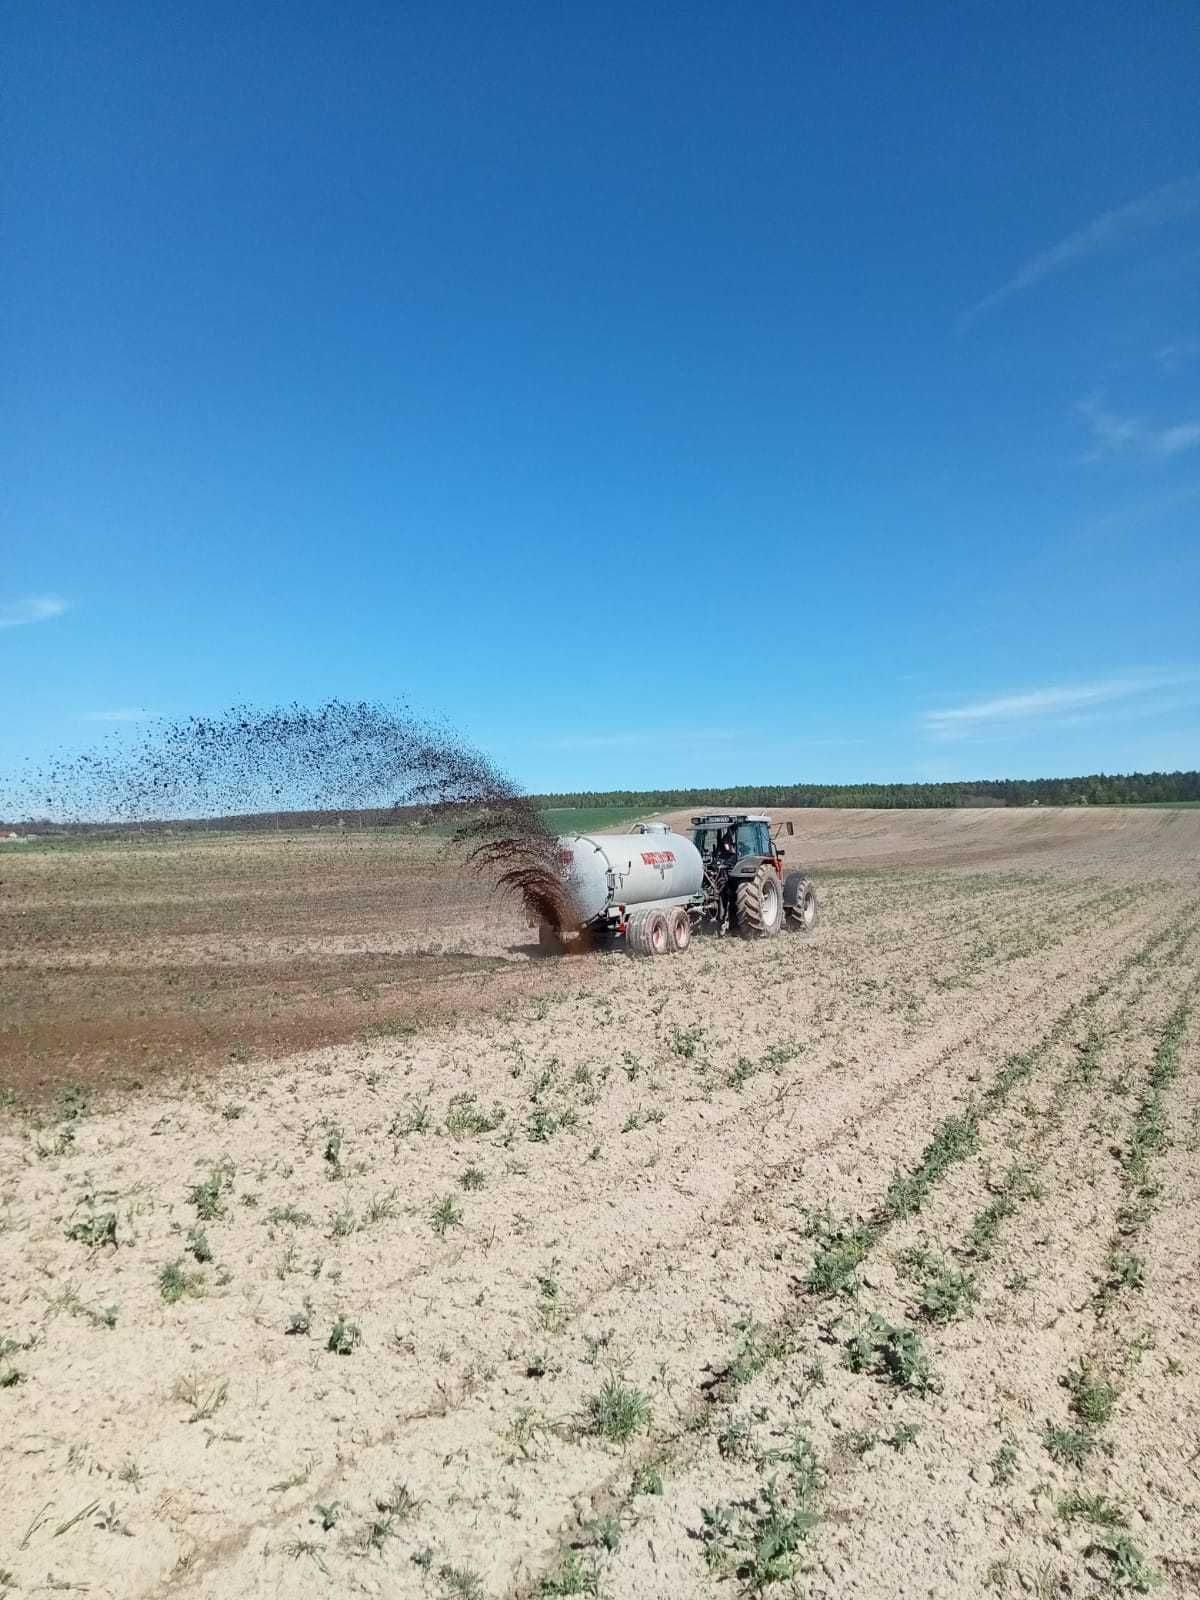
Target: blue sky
(663, 395)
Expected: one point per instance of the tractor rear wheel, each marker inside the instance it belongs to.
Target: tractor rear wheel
(647, 934)
(760, 904)
(679, 925)
(800, 899)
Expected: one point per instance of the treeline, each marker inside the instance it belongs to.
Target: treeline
(1098, 789)
(1095, 789)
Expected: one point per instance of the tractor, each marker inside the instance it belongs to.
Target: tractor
(745, 890)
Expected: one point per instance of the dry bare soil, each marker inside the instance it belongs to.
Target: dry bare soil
(861, 1263)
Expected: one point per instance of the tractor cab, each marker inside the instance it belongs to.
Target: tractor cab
(744, 887)
(731, 837)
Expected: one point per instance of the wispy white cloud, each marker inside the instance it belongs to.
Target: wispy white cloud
(1170, 441)
(1170, 203)
(34, 608)
(121, 714)
(1113, 434)
(1176, 356)
(1052, 703)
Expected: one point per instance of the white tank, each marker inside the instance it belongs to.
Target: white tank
(651, 866)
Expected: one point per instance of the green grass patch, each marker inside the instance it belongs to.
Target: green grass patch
(589, 819)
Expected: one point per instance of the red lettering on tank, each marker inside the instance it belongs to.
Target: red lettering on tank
(565, 857)
(658, 858)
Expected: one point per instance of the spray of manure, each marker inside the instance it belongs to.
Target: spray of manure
(250, 763)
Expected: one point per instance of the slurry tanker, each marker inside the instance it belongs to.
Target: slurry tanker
(653, 887)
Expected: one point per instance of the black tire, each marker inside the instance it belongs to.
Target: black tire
(760, 904)
(800, 899)
(679, 926)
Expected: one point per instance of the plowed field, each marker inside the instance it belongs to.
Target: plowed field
(860, 1263)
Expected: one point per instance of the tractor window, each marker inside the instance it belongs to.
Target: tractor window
(705, 840)
(754, 839)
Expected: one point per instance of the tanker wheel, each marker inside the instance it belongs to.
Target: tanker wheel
(679, 926)
(648, 934)
(760, 904)
(800, 898)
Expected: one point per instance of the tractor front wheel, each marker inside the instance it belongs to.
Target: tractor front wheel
(760, 904)
(800, 899)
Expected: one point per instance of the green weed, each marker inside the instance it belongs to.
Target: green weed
(646, 1480)
(294, 1480)
(175, 1281)
(1093, 1508)
(760, 1539)
(735, 1440)
(843, 1249)
(461, 1581)
(1070, 1447)
(198, 1245)
(946, 1295)
(895, 1354)
(1004, 1462)
(99, 1228)
(573, 1576)
(905, 1434)
(415, 1120)
(618, 1412)
(1018, 1184)
(289, 1216)
(344, 1337)
(1128, 1567)
(1093, 1396)
(954, 1140)
(300, 1322)
(467, 1119)
(686, 1042)
(757, 1344)
(382, 1208)
(208, 1196)
(543, 1123)
(399, 1502)
(445, 1215)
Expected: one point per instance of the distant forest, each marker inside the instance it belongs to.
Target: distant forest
(1100, 789)
(1097, 789)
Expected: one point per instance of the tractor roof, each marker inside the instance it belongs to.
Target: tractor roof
(724, 819)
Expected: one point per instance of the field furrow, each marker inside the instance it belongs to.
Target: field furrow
(771, 1264)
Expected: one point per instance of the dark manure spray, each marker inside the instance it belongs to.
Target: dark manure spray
(256, 767)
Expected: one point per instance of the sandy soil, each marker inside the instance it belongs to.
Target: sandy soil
(850, 1264)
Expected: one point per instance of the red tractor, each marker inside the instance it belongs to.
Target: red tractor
(745, 890)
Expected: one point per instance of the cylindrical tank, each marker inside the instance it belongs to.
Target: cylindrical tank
(603, 870)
